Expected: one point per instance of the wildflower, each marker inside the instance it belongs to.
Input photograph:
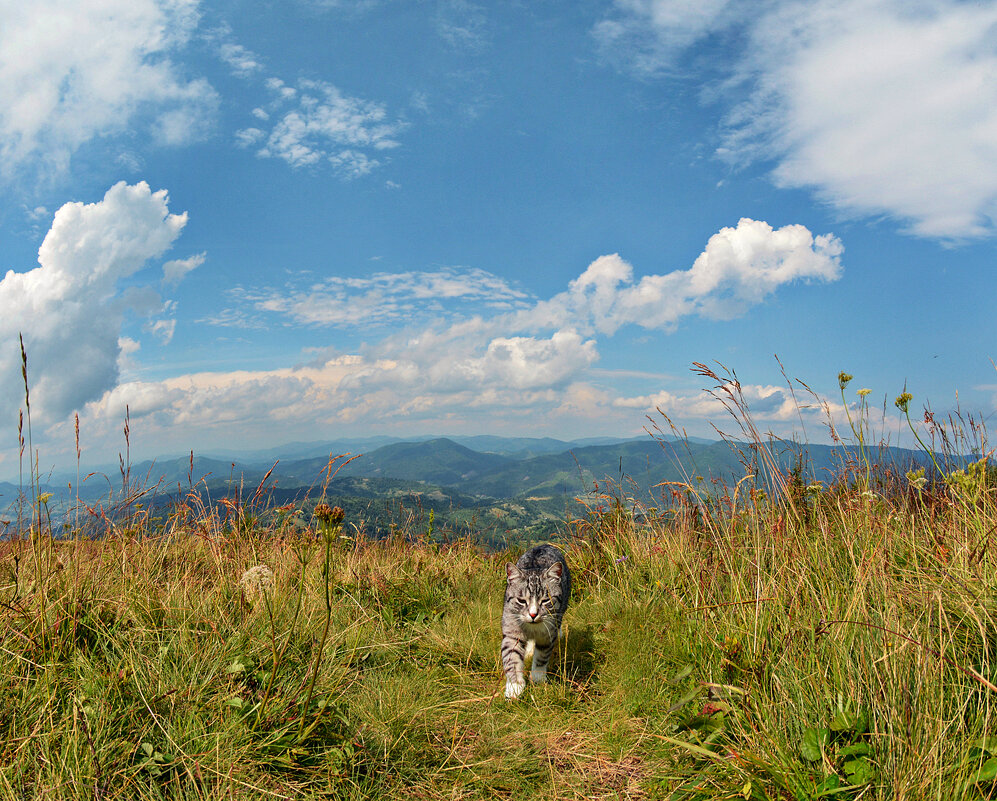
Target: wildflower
(903, 401)
(917, 479)
(256, 581)
(45, 497)
(863, 392)
(843, 379)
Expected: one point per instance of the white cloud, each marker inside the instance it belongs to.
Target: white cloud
(503, 376)
(325, 126)
(73, 70)
(648, 36)
(880, 107)
(242, 61)
(70, 309)
(764, 402)
(740, 267)
(247, 137)
(519, 363)
(175, 269)
(379, 298)
(163, 329)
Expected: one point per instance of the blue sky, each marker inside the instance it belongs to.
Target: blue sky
(255, 223)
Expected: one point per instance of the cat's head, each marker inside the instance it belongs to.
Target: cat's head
(533, 595)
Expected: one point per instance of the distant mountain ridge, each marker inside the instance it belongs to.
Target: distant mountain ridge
(535, 470)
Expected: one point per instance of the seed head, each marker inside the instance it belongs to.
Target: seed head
(843, 379)
(256, 581)
(330, 515)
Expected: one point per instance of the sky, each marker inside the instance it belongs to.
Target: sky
(252, 223)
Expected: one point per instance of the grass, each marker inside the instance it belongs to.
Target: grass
(844, 652)
(820, 642)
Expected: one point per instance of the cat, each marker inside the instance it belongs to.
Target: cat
(537, 593)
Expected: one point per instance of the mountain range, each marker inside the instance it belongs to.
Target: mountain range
(541, 477)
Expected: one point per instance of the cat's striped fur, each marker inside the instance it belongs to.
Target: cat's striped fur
(536, 595)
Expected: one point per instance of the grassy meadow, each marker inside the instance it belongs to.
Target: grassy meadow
(802, 641)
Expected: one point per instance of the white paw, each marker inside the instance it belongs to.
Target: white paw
(538, 676)
(514, 689)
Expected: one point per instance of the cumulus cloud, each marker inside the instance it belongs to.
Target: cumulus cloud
(70, 308)
(500, 376)
(880, 107)
(764, 402)
(516, 363)
(323, 125)
(740, 267)
(73, 70)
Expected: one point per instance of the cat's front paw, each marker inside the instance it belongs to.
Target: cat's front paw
(538, 675)
(514, 689)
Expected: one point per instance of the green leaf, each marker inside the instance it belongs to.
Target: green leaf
(986, 773)
(237, 666)
(147, 748)
(853, 750)
(845, 720)
(813, 744)
(683, 672)
(859, 771)
(988, 744)
(829, 785)
(692, 695)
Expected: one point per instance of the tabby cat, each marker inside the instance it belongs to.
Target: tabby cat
(536, 595)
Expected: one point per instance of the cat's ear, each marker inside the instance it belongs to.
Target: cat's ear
(511, 571)
(555, 570)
